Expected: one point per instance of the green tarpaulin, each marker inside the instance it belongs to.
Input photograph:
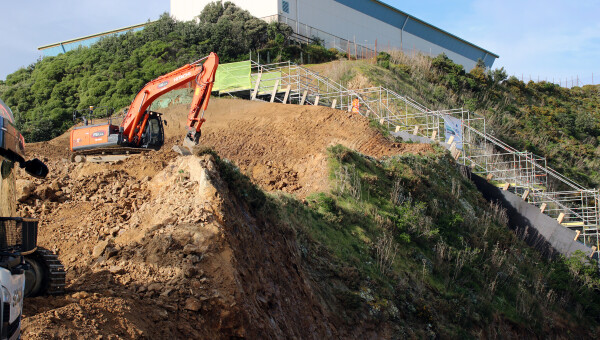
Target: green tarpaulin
(233, 77)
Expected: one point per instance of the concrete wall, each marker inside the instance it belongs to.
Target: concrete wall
(538, 230)
(362, 21)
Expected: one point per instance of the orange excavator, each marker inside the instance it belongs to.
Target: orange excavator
(143, 129)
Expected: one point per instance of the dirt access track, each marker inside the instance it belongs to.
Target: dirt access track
(156, 246)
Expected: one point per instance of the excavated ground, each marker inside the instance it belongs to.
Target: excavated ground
(281, 147)
(156, 246)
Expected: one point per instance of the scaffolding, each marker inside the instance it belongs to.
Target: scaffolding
(520, 172)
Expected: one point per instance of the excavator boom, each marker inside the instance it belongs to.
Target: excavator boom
(142, 128)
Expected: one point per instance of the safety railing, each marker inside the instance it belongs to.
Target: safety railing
(520, 172)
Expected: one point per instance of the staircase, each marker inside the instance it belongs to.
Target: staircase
(519, 172)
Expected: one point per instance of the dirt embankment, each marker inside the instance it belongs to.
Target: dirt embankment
(156, 246)
(281, 147)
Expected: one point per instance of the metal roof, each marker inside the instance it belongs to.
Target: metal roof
(119, 30)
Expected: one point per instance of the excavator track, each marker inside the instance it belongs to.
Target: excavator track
(105, 154)
(111, 151)
(56, 272)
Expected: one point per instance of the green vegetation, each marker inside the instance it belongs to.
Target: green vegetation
(409, 242)
(558, 123)
(110, 73)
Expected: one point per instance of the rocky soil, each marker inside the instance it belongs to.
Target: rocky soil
(156, 245)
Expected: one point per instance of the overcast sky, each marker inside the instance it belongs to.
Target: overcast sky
(552, 39)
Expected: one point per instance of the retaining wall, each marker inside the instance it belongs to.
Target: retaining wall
(537, 229)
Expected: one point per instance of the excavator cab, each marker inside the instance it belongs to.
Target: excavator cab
(154, 134)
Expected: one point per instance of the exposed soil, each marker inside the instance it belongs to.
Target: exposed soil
(281, 147)
(155, 246)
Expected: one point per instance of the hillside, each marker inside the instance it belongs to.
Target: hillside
(294, 221)
(376, 240)
(109, 73)
(561, 124)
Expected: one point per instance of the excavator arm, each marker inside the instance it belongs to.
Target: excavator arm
(142, 128)
(203, 74)
(204, 84)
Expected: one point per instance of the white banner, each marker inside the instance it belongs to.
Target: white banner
(453, 127)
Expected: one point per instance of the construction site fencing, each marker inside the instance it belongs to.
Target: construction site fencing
(464, 132)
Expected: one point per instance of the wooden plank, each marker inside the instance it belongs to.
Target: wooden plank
(397, 128)
(274, 92)
(381, 121)
(317, 100)
(489, 177)
(303, 97)
(561, 217)
(287, 94)
(450, 140)
(457, 154)
(334, 104)
(525, 195)
(416, 130)
(506, 186)
(577, 235)
(256, 87)
(543, 207)
(434, 134)
(593, 251)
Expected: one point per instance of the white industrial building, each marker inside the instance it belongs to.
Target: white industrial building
(345, 24)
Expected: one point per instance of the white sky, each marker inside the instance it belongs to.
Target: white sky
(552, 39)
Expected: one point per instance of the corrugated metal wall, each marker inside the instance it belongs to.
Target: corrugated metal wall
(364, 21)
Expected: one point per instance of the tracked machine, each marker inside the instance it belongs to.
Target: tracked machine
(142, 129)
(25, 269)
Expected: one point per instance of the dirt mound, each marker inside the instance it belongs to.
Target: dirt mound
(155, 245)
(281, 147)
(166, 256)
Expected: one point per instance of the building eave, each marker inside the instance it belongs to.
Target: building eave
(124, 29)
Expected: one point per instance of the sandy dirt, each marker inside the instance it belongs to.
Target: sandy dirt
(155, 246)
